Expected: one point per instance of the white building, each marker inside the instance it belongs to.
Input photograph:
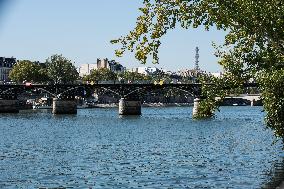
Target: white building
(85, 69)
(188, 73)
(217, 74)
(147, 70)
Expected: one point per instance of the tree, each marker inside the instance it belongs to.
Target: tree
(101, 74)
(26, 70)
(60, 70)
(250, 22)
(253, 48)
(133, 76)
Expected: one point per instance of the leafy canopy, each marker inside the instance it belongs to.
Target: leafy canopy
(60, 70)
(101, 74)
(133, 76)
(26, 70)
(255, 27)
(253, 48)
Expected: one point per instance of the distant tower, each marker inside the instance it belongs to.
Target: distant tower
(196, 59)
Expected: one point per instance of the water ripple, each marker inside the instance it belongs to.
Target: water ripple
(163, 148)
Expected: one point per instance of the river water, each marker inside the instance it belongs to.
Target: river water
(163, 148)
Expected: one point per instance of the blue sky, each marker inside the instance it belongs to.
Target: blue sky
(81, 31)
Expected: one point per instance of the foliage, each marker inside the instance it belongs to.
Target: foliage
(60, 70)
(253, 48)
(249, 22)
(101, 74)
(272, 85)
(162, 76)
(26, 70)
(104, 74)
(214, 90)
(133, 76)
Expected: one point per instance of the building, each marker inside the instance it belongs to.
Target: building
(6, 65)
(217, 74)
(102, 63)
(147, 70)
(85, 69)
(112, 65)
(188, 73)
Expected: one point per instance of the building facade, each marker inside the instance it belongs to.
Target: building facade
(217, 74)
(112, 65)
(6, 65)
(147, 70)
(85, 69)
(188, 73)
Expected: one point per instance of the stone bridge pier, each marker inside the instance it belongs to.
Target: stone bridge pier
(195, 106)
(64, 106)
(129, 107)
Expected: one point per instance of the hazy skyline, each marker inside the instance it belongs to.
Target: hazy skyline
(82, 30)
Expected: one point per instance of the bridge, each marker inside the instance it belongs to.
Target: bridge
(64, 94)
